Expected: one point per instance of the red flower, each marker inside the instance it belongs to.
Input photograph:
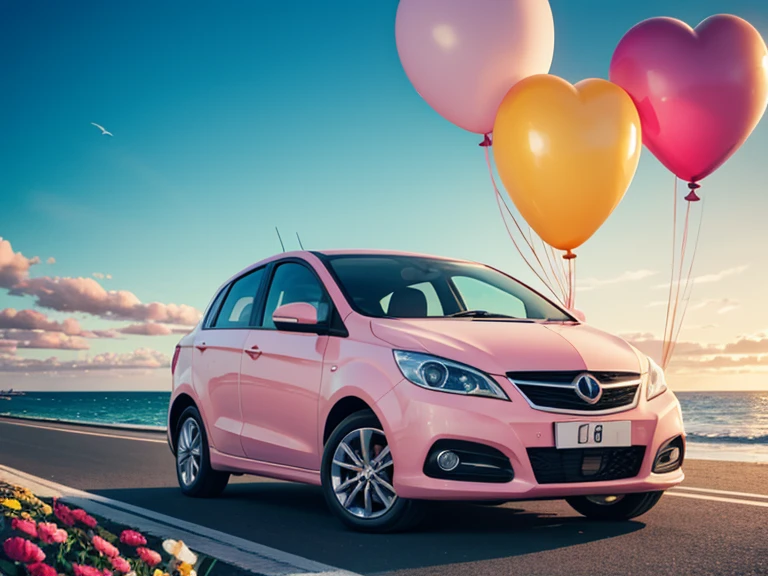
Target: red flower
(63, 513)
(132, 538)
(82, 517)
(28, 527)
(104, 547)
(24, 551)
(86, 570)
(150, 557)
(40, 569)
(120, 564)
(49, 533)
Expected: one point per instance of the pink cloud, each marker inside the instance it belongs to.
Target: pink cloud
(34, 320)
(14, 266)
(46, 340)
(147, 329)
(140, 358)
(51, 260)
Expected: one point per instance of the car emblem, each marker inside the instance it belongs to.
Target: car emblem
(588, 388)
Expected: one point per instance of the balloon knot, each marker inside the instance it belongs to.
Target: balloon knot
(692, 196)
(486, 141)
(569, 255)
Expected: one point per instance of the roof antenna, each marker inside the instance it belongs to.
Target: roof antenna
(299, 239)
(280, 238)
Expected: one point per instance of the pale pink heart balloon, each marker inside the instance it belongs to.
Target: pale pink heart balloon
(700, 92)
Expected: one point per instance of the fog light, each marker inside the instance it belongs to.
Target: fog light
(447, 460)
(669, 457)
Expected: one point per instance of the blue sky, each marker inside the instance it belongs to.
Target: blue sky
(234, 117)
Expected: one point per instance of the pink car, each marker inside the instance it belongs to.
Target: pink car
(390, 379)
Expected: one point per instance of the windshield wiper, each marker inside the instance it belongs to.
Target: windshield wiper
(480, 314)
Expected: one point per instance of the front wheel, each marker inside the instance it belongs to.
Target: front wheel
(615, 507)
(193, 461)
(357, 473)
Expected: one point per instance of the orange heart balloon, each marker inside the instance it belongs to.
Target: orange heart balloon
(566, 154)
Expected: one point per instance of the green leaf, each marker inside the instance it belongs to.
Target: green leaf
(10, 568)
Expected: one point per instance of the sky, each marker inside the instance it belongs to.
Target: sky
(231, 118)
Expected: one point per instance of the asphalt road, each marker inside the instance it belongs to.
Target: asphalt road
(680, 536)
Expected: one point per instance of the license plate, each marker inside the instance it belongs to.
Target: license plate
(593, 434)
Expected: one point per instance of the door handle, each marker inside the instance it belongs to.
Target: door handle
(202, 347)
(254, 352)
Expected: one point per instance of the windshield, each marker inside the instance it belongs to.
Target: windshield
(388, 286)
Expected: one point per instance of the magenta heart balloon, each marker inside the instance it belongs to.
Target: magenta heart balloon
(700, 92)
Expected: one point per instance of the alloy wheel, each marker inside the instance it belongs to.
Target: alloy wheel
(189, 452)
(362, 472)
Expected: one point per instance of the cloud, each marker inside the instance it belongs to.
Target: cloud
(46, 340)
(34, 320)
(629, 276)
(51, 260)
(84, 294)
(147, 329)
(724, 305)
(102, 276)
(710, 278)
(140, 358)
(14, 266)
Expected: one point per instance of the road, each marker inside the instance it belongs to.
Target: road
(689, 531)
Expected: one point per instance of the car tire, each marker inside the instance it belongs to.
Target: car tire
(625, 507)
(193, 461)
(370, 504)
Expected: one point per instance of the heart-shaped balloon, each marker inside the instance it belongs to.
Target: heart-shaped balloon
(566, 154)
(700, 92)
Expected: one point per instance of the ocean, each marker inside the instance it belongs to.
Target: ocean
(720, 425)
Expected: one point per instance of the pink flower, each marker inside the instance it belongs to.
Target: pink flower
(120, 564)
(28, 527)
(80, 570)
(106, 572)
(104, 547)
(149, 557)
(49, 533)
(82, 516)
(24, 551)
(40, 569)
(132, 538)
(63, 513)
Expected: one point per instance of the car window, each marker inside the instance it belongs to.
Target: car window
(434, 307)
(214, 309)
(295, 283)
(479, 295)
(238, 305)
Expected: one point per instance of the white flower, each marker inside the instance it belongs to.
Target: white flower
(179, 550)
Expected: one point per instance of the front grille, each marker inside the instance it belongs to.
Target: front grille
(553, 466)
(567, 399)
(554, 390)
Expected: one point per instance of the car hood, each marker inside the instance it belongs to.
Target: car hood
(497, 347)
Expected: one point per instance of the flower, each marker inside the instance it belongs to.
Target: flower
(21, 550)
(149, 557)
(132, 538)
(63, 513)
(49, 533)
(186, 569)
(47, 510)
(82, 516)
(80, 570)
(120, 564)
(179, 550)
(159, 572)
(28, 527)
(40, 569)
(104, 547)
(11, 503)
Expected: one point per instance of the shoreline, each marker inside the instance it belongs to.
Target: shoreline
(710, 451)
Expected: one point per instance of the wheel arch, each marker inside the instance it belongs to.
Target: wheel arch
(180, 403)
(343, 408)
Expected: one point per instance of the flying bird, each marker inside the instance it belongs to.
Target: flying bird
(104, 131)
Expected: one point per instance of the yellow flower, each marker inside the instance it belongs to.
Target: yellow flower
(185, 569)
(159, 572)
(47, 510)
(11, 503)
(26, 515)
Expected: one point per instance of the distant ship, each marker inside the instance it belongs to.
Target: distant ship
(11, 392)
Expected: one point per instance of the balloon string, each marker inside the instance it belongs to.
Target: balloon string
(551, 258)
(502, 205)
(672, 271)
(688, 283)
(571, 283)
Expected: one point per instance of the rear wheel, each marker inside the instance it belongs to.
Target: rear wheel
(357, 473)
(193, 462)
(615, 507)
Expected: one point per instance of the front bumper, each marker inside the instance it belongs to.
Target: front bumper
(414, 418)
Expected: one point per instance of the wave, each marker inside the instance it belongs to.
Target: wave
(722, 438)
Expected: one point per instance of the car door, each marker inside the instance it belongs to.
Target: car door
(280, 375)
(216, 361)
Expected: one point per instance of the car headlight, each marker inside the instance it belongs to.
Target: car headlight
(446, 376)
(657, 383)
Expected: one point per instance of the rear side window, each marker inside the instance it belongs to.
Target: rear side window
(214, 309)
(237, 307)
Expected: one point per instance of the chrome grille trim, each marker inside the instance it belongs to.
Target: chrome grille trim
(626, 384)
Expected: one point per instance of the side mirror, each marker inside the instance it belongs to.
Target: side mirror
(578, 314)
(296, 317)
